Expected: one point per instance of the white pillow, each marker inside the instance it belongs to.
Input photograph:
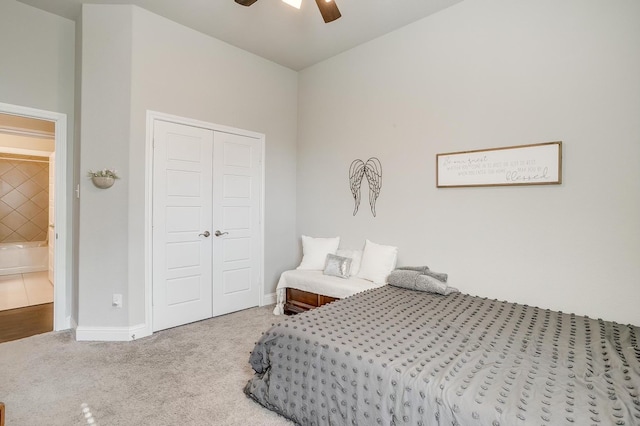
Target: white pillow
(356, 258)
(315, 251)
(377, 262)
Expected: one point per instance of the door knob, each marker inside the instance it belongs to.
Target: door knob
(219, 234)
(205, 233)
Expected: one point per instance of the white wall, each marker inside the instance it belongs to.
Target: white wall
(37, 71)
(162, 66)
(485, 74)
(104, 138)
(36, 57)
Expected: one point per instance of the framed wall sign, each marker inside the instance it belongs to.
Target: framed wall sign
(536, 164)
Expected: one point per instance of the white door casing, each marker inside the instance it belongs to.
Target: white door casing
(237, 177)
(182, 206)
(51, 235)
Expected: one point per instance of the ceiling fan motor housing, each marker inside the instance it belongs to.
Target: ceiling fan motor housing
(246, 2)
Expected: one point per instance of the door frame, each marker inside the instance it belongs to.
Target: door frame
(152, 116)
(61, 287)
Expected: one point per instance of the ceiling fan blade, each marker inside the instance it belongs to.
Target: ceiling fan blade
(328, 9)
(246, 2)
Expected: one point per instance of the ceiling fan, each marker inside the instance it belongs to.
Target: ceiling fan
(328, 8)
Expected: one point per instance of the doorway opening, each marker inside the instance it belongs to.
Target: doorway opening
(33, 288)
(27, 153)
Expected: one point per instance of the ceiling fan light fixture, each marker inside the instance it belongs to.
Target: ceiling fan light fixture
(294, 3)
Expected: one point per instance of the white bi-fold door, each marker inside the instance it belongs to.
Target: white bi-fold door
(207, 243)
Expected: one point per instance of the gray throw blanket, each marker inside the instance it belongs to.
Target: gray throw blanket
(421, 269)
(415, 278)
(424, 270)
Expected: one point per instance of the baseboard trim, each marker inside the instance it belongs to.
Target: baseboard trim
(269, 299)
(112, 334)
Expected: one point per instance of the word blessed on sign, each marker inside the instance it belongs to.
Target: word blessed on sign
(538, 164)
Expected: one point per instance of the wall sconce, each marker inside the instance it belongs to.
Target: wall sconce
(104, 178)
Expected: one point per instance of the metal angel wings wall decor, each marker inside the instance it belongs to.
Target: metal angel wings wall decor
(372, 169)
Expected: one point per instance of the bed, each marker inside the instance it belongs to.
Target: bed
(393, 356)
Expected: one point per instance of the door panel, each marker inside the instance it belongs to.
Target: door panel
(236, 249)
(181, 256)
(236, 154)
(237, 254)
(183, 184)
(236, 280)
(177, 217)
(182, 205)
(236, 218)
(236, 187)
(183, 290)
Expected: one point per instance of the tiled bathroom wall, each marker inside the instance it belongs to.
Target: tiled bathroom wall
(24, 198)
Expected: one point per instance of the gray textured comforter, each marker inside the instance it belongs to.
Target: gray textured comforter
(393, 356)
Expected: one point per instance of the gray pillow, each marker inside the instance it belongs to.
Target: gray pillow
(337, 266)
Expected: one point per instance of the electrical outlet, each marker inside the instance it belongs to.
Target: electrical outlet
(117, 301)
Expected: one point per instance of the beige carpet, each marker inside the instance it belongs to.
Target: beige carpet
(189, 375)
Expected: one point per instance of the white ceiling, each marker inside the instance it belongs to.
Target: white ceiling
(274, 30)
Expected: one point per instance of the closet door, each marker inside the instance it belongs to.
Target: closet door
(182, 241)
(237, 186)
(207, 235)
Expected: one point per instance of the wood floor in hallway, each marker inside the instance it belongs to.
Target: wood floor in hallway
(26, 305)
(19, 323)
